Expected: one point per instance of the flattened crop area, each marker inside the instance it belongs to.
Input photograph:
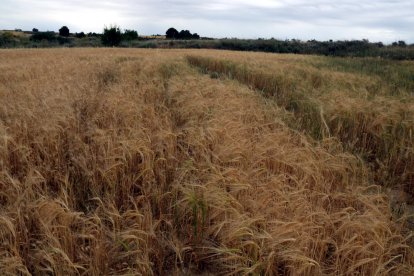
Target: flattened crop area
(120, 161)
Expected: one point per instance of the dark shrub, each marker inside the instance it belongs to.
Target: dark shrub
(64, 31)
(39, 36)
(6, 39)
(80, 35)
(111, 36)
(63, 40)
(130, 35)
(171, 33)
(402, 43)
(185, 34)
(94, 35)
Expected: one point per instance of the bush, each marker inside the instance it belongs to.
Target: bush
(90, 34)
(111, 36)
(39, 36)
(8, 36)
(6, 39)
(63, 40)
(129, 35)
(80, 35)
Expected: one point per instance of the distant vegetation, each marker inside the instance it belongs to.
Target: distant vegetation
(64, 31)
(130, 35)
(111, 36)
(39, 36)
(114, 36)
(183, 34)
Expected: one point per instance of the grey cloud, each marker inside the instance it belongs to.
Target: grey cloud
(320, 19)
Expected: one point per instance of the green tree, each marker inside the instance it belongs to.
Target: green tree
(402, 43)
(130, 35)
(171, 33)
(64, 31)
(111, 36)
(185, 34)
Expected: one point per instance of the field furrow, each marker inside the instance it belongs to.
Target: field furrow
(363, 113)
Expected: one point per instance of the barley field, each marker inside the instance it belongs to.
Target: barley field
(204, 162)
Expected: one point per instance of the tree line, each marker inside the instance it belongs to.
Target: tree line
(111, 36)
(115, 36)
(172, 33)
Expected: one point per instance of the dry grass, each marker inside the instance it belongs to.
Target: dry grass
(363, 112)
(131, 162)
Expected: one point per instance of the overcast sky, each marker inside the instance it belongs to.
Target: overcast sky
(377, 20)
